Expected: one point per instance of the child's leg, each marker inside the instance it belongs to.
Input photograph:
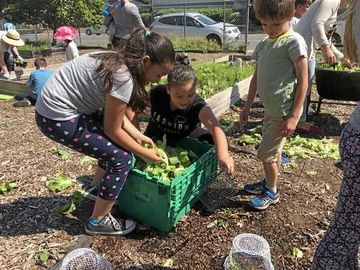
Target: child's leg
(271, 173)
(99, 174)
(269, 153)
(340, 245)
(85, 134)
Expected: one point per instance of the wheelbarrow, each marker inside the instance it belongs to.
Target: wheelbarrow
(339, 85)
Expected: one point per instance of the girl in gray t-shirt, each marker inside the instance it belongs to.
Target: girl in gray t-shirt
(83, 106)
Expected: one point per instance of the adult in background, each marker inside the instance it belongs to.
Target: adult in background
(313, 26)
(8, 42)
(340, 246)
(126, 18)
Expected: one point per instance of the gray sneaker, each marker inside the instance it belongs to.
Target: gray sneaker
(110, 226)
(92, 194)
(22, 103)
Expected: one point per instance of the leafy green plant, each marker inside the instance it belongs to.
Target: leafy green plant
(67, 208)
(214, 77)
(87, 159)
(60, 183)
(297, 253)
(339, 67)
(174, 162)
(297, 146)
(62, 154)
(7, 187)
(43, 256)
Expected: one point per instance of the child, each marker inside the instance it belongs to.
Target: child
(109, 20)
(68, 112)
(281, 80)
(9, 41)
(300, 8)
(71, 49)
(37, 80)
(340, 246)
(177, 111)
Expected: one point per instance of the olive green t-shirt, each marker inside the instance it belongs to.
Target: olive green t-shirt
(276, 77)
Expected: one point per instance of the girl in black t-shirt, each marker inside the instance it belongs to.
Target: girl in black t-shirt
(177, 111)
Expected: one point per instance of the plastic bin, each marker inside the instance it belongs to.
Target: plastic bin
(161, 205)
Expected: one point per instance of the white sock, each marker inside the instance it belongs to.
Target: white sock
(274, 189)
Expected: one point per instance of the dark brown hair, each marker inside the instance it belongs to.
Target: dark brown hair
(40, 63)
(274, 9)
(181, 75)
(142, 42)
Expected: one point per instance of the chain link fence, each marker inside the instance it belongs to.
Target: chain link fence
(197, 25)
(200, 25)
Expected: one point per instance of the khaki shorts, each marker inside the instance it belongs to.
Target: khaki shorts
(272, 141)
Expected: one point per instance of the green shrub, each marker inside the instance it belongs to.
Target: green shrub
(189, 44)
(35, 46)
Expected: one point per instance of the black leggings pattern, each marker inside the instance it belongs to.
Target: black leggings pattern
(338, 250)
(85, 134)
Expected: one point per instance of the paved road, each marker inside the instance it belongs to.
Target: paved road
(102, 40)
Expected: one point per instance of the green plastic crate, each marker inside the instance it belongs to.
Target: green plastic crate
(161, 205)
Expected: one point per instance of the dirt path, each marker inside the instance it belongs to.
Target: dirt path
(29, 221)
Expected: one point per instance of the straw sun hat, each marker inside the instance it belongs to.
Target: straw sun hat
(12, 37)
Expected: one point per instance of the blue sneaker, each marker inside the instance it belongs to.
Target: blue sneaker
(256, 188)
(263, 201)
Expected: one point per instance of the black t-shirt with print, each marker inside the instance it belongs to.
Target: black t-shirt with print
(176, 124)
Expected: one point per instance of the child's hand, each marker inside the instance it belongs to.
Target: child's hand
(244, 116)
(142, 139)
(289, 125)
(227, 163)
(151, 155)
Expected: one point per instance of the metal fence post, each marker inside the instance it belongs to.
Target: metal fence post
(247, 24)
(184, 20)
(224, 28)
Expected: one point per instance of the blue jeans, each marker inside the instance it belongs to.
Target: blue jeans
(311, 74)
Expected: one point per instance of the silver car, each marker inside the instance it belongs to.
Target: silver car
(197, 26)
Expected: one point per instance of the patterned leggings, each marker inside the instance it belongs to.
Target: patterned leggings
(85, 134)
(339, 248)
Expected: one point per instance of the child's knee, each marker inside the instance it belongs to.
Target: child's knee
(122, 162)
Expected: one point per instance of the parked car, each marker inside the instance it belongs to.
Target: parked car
(96, 30)
(197, 26)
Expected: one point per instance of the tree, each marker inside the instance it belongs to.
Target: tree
(55, 13)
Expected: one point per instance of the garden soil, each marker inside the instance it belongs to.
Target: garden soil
(30, 223)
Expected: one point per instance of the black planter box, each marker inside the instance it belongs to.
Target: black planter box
(338, 85)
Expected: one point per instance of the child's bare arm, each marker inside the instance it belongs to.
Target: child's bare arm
(244, 114)
(301, 70)
(208, 118)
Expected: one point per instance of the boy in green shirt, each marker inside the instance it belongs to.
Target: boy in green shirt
(281, 81)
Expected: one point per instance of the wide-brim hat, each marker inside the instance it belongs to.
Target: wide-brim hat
(12, 37)
(66, 33)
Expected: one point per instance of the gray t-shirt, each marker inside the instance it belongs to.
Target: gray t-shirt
(276, 78)
(126, 19)
(76, 88)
